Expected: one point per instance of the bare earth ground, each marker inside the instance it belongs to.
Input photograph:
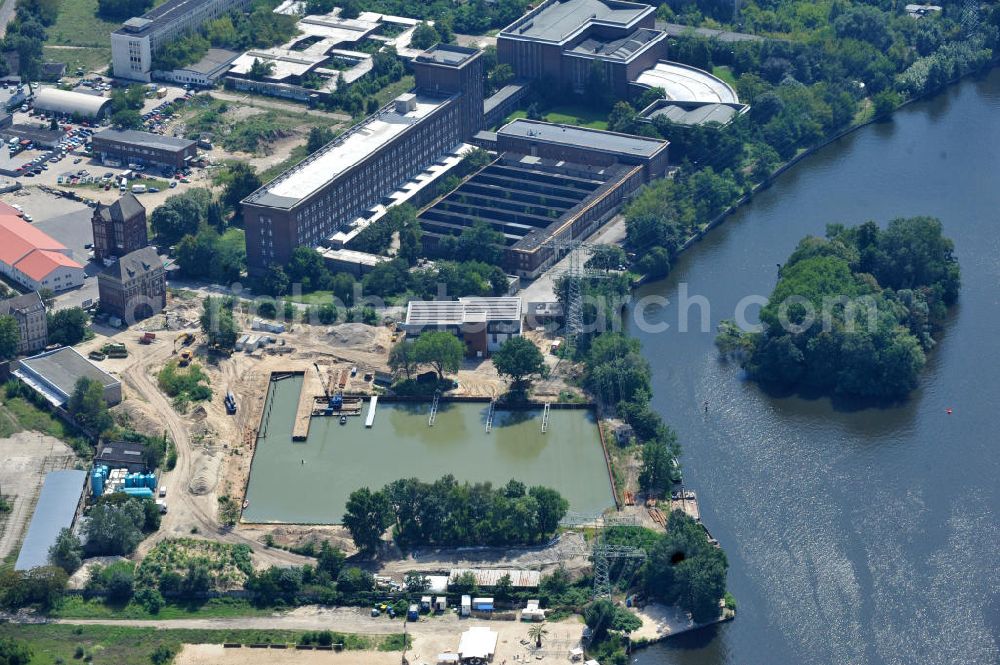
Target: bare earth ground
(25, 458)
(216, 654)
(431, 636)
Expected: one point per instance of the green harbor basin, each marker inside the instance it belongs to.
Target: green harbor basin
(308, 482)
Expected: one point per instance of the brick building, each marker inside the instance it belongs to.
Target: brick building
(29, 312)
(119, 228)
(566, 41)
(328, 191)
(134, 287)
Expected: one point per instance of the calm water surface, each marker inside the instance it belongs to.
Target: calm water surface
(854, 536)
(310, 481)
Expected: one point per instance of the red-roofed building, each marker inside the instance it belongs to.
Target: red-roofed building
(32, 258)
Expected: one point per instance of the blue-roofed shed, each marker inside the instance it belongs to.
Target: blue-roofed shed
(54, 511)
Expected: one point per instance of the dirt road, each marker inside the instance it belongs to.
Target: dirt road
(431, 634)
(188, 512)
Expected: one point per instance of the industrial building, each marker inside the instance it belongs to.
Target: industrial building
(28, 311)
(565, 40)
(119, 228)
(328, 191)
(484, 324)
(41, 138)
(134, 287)
(129, 455)
(122, 147)
(569, 42)
(33, 259)
(53, 375)
(69, 103)
(55, 510)
(490, 577)
(327, 49)
(551, 183)
(205, 73)
(134, 45)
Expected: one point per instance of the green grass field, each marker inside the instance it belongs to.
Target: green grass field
(79, 25)
(570, 114)
(88, 58)
(113, 645)
(726, 74)
(76, 607)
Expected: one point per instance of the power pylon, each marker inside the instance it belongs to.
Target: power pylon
(604, 553)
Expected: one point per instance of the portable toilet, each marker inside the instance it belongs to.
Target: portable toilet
(425, 603)
(413, 613)
(440, 603)
(466, 605)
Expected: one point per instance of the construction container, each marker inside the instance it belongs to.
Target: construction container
(482, 604)
(440, 604)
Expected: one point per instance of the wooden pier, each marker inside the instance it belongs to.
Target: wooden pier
(311, 386)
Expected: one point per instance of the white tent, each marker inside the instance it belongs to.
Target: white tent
(478, 642)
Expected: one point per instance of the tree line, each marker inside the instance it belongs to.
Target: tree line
(854, 313)
(446, 512)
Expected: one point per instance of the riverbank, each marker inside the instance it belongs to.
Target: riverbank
(847, 549)
(808, 152)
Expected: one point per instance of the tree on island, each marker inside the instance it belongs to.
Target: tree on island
(518, 358)
(854, 313)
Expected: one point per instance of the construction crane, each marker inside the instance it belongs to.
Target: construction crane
(335, 401)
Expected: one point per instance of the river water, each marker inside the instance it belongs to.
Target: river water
(853, 535)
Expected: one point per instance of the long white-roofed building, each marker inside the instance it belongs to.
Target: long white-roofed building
(331, 188)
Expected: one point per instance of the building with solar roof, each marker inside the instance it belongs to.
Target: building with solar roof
(484, 324)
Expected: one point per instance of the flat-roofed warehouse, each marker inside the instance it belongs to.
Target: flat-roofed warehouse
(53, 375)
(490, 577)
(67, 102)
(484, 324)
(54, 511)
(135, 147)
